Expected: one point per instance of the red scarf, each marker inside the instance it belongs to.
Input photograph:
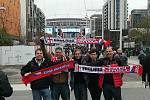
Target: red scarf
(47, 71)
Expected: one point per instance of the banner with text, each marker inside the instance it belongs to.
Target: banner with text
(108, 70)
(50, 40)
(48, 71)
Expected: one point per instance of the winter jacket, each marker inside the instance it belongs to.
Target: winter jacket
(61, 77)
(92, 77)
(113, 79)
(33, 66)
(5, 87)
(78, 76)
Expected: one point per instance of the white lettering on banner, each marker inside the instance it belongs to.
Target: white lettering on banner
(106, 70)
(88, 69)
(117, 69)
(87, 41)
(49, 40)
(38, 73)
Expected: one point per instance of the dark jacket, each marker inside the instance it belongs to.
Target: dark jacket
(146, 64)
(33, 66)
(141, 57)
(5, 87)
(78, 76)
(61, 77)
(93, 77)
(146, 69)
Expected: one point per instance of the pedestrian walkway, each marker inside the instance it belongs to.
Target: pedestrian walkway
(15, 77)
(134, 84)
(133, 60)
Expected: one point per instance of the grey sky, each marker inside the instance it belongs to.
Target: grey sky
(76, 8)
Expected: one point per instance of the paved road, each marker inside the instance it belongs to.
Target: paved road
(132, 89)
(127, 94)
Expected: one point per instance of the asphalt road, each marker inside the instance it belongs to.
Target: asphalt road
(127, 94)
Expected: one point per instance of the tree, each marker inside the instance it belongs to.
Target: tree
(141, 34)
(5, 38)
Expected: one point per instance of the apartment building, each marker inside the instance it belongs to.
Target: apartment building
(21, 18)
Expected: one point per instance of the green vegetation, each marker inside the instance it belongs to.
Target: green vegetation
(141, 34)
(5, 38)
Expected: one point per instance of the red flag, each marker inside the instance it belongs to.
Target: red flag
(140, 70)
(107, 43)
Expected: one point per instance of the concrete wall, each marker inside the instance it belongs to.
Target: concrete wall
(20, 55)
(16, 55)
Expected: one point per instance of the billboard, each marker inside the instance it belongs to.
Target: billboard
(49, 30)
(71, 30)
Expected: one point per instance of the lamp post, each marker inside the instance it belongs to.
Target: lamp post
(121, 23)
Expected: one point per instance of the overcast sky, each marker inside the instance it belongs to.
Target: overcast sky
(76, 8)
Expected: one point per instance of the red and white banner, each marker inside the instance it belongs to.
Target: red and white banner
(87, 41)
(48, 71)
(49, 40)
(108, 70)
(81, 68)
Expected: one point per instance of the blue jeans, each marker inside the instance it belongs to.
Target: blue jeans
(80, 91)
(111, 93)
(43, 93)
(60, 89)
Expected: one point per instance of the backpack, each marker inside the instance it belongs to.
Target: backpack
(5, 87)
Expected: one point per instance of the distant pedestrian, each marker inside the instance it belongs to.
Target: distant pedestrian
(141, 57)
(146, 70)
(121, 57)
(5, 87)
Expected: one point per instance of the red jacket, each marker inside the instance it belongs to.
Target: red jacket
(116, 77)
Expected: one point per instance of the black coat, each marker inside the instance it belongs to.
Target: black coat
(5, 87)
(146, 64)
(78, 76)
(93, 77)
(32, 66)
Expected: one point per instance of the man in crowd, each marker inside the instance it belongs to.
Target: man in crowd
(79, 79)
(146, 71)
(95, 91)
(60, 80)
(122, 57)
(40, 87)
(111, 83)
